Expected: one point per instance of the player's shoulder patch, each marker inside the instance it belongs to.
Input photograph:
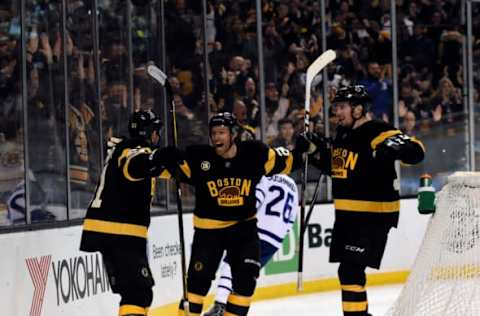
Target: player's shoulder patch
(200, 157)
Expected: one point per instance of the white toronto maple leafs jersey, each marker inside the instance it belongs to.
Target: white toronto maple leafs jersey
(277, 207)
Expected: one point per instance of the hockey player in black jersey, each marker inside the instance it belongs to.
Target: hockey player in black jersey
(225, 175)
(360, 161)
(118, 216)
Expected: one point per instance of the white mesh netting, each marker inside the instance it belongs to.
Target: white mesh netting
(445, 278)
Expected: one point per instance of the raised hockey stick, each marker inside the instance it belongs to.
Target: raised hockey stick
(312, 70)
(159, 76)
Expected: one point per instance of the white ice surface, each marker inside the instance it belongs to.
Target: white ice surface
(380, 299)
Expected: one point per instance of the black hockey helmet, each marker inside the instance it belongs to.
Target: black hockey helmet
(355, 95)
(143, 122)
(224, 118)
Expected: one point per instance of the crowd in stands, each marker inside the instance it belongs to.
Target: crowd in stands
(431, 87)
(430, 41)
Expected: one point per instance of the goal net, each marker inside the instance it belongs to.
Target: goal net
(445, 278)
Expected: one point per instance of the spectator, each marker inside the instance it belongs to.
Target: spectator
(273, 47)
(286, 135)
(410, 96)
(345, 69)
(450, 47)
(240, 112)
(116, 108)
(338, 38)
(38, 204)
(449, 99)
(250, 100)
(408, 124)
(238, 65)
(190, 128)
(175, 84)
(418, 49)
(11, 173)
(379, 91)
(296, 82)
(228, 88)
(344, 14)
(246, 130)
(435, 28)
(276, 109)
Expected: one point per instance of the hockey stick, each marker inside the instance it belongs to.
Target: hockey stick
(159, 76)
(312, 204)
(312, 70)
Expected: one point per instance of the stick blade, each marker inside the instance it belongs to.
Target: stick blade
(319, 63)
(157, 74)
(312, 70)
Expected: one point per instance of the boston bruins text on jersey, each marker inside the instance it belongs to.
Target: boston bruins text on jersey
(225, 188)
(120, 209)
(364, 186)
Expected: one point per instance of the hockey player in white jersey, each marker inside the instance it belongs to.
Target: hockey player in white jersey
(277, 208)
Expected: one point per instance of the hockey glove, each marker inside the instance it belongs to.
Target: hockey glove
(322, 143)
(321, 158)
(304, 144)
(391, 148)
(112, 142)
(168, 157)
(311, 143)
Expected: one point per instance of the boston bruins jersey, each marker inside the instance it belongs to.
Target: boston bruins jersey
(364, 187)
(120, 209)
(225, 188)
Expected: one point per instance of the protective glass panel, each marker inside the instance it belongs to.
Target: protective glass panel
(116, 98)
(476, 78)
(147, 43)
(84, 108)
(431, 79)
(185, 69)
(46, 112)
(12, 191)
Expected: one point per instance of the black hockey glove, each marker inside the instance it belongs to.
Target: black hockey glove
(321, 158)
(304, 144)
(322, 143)
(391, 148)
(168, 157)
(311, 143)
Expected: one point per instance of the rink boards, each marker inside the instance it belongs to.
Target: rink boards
(44, 273)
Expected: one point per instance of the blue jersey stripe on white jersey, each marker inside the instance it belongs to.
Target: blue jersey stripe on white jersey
(269, 234)
(260, 190)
